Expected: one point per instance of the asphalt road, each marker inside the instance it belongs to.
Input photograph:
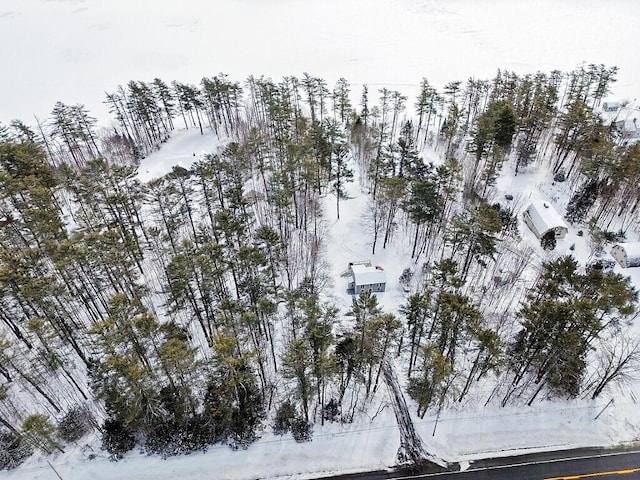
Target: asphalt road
(571, 465)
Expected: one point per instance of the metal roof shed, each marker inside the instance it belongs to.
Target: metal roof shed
(541, 218)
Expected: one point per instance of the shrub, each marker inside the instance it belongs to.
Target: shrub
(331, 410)
(75, 424)
(13, 449)
(548, 240)
(285, 416)
(40, 432)
(301, 430)
(117, 438)
(177, 438)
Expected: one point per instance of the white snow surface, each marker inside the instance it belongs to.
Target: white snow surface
(461, 433)
(73, 50)
(364, 275)
(183, 149)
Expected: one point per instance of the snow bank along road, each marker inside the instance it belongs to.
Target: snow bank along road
(568, 465)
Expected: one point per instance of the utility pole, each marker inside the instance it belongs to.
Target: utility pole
(435, 425)
(54, 470)
(604, 408)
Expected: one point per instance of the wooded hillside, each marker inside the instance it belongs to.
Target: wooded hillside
(192, 309)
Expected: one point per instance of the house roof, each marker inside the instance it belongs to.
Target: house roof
(367, 275)
(545, 217)
(632, 249)
(628, 126)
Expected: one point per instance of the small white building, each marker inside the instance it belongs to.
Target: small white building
(627, 254)
(364, 276)
(542, 218)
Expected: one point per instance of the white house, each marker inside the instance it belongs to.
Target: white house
(542, 218)
(366, 277)
(627, 254)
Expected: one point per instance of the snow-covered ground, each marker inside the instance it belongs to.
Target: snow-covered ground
(184, 149)
(335, 448)
(74, 50)
(461, 434)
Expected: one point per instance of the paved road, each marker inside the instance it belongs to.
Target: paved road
(572, 465)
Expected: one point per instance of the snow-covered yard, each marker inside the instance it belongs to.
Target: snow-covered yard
(468, 432)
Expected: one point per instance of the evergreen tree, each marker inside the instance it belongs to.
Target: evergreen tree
(417, 312)
(341, 102)
(548, 240)
(40, 431)
(233, 403)
(491, 141)
(424, 206)
(340, 171)
(433, 383)
(474, 234)
(425, 106)
(562, 316)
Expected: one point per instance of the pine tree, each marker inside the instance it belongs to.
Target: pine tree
(342, 104)
(233, 403)
(473, 233)
(433, 383)
(562, 316)
(364, 105)
(491, 142)
(297, 364)
(423, 207)
(40, 431)
(425, 105)
(164, 97)
(340, 172)
(392, 192)
(417, 312)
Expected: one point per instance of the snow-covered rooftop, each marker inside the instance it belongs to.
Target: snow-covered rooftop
(367, 275)
(545, 217)
(632, 249)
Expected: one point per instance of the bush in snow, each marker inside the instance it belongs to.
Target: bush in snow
(301, 430)
(287, 419)
(168, 438)
(13, 449)
(331, 410)
(40, 431)
(406, 276)
(285, 415)
(76, 423)
(508, 219)
(117, 438)
(548, 240)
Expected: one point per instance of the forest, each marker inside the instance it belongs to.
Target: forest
(192, 310)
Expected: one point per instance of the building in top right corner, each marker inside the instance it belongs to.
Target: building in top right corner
(627, 254)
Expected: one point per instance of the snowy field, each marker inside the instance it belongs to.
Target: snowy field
(74, 50)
